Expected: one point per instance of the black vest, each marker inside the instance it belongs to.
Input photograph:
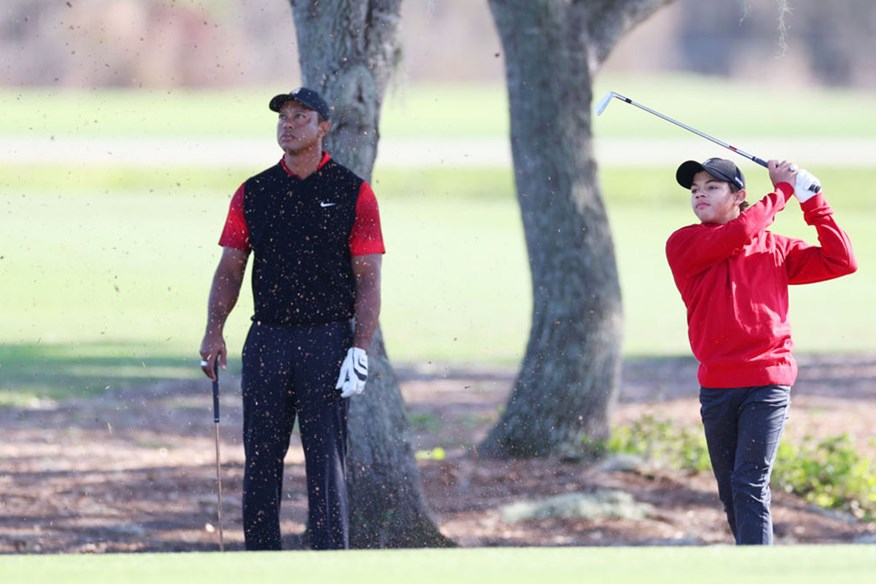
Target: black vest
(299, 231)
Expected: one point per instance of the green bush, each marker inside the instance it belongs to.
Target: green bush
(829, 473)
(662, 442)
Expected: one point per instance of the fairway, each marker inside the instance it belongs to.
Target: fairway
(112, 255)
(716, 565)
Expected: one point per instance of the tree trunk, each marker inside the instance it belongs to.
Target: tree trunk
(348, 50)
(561, 400)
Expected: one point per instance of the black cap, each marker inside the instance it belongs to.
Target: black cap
(720, 168)
(306, 97)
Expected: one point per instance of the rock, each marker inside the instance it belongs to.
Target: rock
(595, 505)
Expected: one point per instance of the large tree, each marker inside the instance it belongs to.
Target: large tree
(348, 50)
(569, 377)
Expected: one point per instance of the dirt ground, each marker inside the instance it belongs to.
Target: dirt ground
(134, 470)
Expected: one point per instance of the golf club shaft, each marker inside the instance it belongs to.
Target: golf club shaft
(218, 469)
(751, 157)
(603, 103)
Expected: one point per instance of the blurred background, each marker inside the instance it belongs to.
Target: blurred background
(225, 43)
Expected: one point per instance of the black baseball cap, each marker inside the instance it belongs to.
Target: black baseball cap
(720, 168)
(306, 97)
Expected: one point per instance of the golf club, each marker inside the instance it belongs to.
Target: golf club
(218, 472)
(603, 103)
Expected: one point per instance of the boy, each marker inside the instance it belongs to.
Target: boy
(733, 276)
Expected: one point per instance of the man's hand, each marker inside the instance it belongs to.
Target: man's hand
(803, 185)
(212, 351)
(354, 373)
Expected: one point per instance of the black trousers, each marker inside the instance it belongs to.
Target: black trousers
(743, 428)
(290, 372)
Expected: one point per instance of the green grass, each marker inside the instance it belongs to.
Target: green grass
(747, 111)
(139, 113)
(104, 267)
(113, 262)
(35, 371)
(718, 565)
(449, 111)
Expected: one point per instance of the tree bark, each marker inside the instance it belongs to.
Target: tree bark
(348, 50)
(562, 398)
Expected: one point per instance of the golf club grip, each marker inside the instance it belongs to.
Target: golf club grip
(816, 188)
(216, 391)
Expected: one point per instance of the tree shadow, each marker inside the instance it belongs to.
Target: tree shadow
(60, 371)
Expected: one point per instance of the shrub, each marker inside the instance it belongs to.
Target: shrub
(663, 442)
(829, 473)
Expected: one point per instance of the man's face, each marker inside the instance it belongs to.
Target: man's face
(299, 128)
(712, 200)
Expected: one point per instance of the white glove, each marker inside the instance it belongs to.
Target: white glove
(803, 186)
(354, 373)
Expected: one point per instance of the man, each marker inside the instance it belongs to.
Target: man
(314, 230)
(733, 275)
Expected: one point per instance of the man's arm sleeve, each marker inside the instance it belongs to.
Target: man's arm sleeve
(366, 236)
(235, 234)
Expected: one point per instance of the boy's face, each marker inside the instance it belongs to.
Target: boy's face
(712, 200)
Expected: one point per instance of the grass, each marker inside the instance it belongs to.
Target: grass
(107, 267)
(143, 113)
(30, 373)
(470, 112)
(754, 111)
(718, 565)
(114, 262)
(448, 111)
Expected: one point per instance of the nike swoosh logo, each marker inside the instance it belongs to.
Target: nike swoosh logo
(324, 204)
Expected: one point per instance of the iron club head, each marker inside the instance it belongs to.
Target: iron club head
(603, 103)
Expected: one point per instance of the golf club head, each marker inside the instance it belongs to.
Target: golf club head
(603, 103)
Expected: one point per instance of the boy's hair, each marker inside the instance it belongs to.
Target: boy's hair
(735, 189)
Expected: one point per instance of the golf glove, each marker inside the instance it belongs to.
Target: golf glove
(354, 373)
(802, 185)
